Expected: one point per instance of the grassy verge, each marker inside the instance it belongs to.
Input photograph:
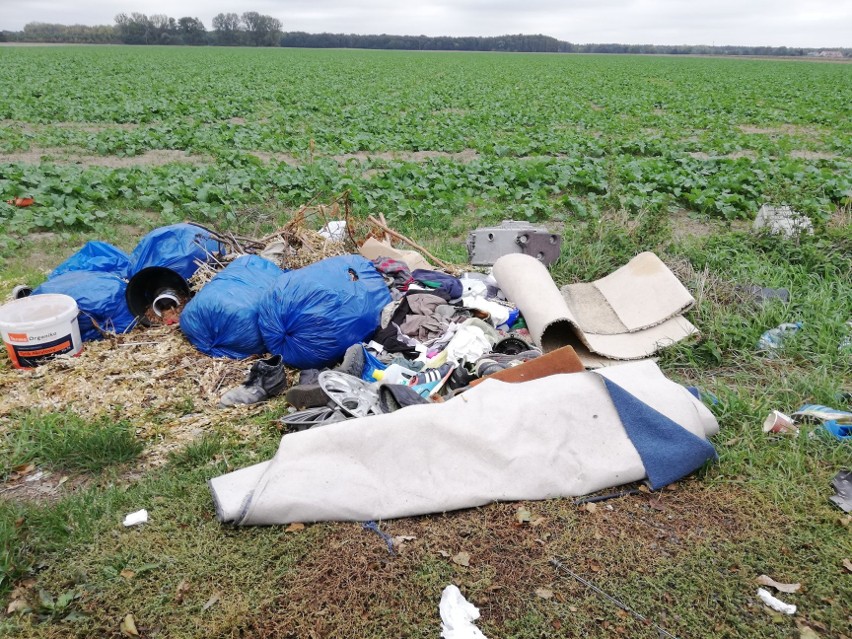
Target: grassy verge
(63, 440)
(686, 558)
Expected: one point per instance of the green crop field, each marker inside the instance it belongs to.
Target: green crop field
(535, 136)
(618, 153)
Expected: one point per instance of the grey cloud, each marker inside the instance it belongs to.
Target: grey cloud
(811, 23)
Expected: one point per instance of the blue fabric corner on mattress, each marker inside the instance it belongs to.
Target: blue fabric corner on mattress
(669, 452)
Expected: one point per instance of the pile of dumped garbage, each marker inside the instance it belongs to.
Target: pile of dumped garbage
(421, 387)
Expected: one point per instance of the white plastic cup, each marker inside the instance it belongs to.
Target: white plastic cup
(778, 422)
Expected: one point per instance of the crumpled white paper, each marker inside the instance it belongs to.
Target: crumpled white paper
(139, 517)
(458, 615)
(775, 604)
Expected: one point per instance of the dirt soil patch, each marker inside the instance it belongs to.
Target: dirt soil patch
(272, 156)
(354, 585)
(43, 486)
(736, 155)
(813, 155)
(784, 129)
(685, 225)
(88, 127)
(157, 157)
(468, 155)
(450, 111)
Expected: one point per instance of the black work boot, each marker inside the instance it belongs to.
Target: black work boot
(309, 394)
(266, 379)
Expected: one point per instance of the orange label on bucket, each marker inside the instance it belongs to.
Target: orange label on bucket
(62, 347)
(29, 356)
(18, 337)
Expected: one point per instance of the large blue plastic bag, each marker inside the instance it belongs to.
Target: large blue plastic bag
(221, 320)
(179, 247)
(311, 316)
(100, 298)
(96, 256)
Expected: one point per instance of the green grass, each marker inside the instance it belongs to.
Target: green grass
(65, 441)
(761, 509)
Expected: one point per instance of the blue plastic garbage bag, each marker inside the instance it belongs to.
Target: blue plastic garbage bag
(221, 320)
(96, 256)
(100, 298)
(179, 247)
(312, 315)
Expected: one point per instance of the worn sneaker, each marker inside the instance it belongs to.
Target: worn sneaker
(266, 379)
(429, 375)
(486, 366)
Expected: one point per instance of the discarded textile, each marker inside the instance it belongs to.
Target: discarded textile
(392, 397)
(437, 281)
(396, 273)
(498, 442)
(222, 319)
(100, 297)
(311, 315)
(422, 324)
(471, 340)
(630, 314)
(391, 336)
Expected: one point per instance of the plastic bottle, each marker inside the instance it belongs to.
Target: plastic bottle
(394, 374)
(772, 340)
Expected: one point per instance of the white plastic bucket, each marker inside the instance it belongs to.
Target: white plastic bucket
(40, 327)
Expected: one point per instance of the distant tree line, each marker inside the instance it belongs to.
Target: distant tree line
(520, 43)
(73, 33)
(229, 29)
(254, 29)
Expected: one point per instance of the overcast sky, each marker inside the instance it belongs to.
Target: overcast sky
(803, 23)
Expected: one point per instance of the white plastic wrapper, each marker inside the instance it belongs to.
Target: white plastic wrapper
(334, 231)
(458, 615)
